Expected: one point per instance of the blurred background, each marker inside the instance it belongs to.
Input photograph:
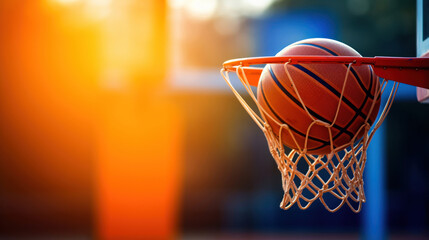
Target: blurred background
(116, 124)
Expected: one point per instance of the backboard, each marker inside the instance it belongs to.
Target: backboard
(423, 41)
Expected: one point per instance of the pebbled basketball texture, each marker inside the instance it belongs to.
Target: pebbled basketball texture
(319, 86)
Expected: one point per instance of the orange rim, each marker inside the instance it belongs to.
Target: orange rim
(412, 71)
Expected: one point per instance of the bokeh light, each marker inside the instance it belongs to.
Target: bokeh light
(67, 1)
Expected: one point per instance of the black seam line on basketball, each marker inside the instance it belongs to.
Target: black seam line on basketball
(370, 87)
(360, 109)
(372, 81)
(368, 92)
(281, 119)
(324, 143)
(330, 88)
(298, 103)
(354, 118)
(359, 81)
(321, 47)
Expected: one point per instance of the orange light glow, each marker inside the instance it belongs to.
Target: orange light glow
(139, 159)
(80, 98)
(139, 131)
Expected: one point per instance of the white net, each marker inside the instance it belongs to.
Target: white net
(335, 178)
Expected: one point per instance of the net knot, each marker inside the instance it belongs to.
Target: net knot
(322, 123)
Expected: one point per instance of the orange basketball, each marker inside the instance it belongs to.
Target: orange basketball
(320, 87)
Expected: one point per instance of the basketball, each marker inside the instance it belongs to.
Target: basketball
(320, 87)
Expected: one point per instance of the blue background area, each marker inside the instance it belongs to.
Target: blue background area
(274, 32)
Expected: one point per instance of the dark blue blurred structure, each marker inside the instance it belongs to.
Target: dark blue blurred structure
(274, 32)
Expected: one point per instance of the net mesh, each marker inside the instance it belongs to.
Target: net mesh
(335, 178)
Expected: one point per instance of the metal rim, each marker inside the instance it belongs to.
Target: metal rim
(409, 70)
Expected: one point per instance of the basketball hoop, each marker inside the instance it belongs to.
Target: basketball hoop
(338, 174)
